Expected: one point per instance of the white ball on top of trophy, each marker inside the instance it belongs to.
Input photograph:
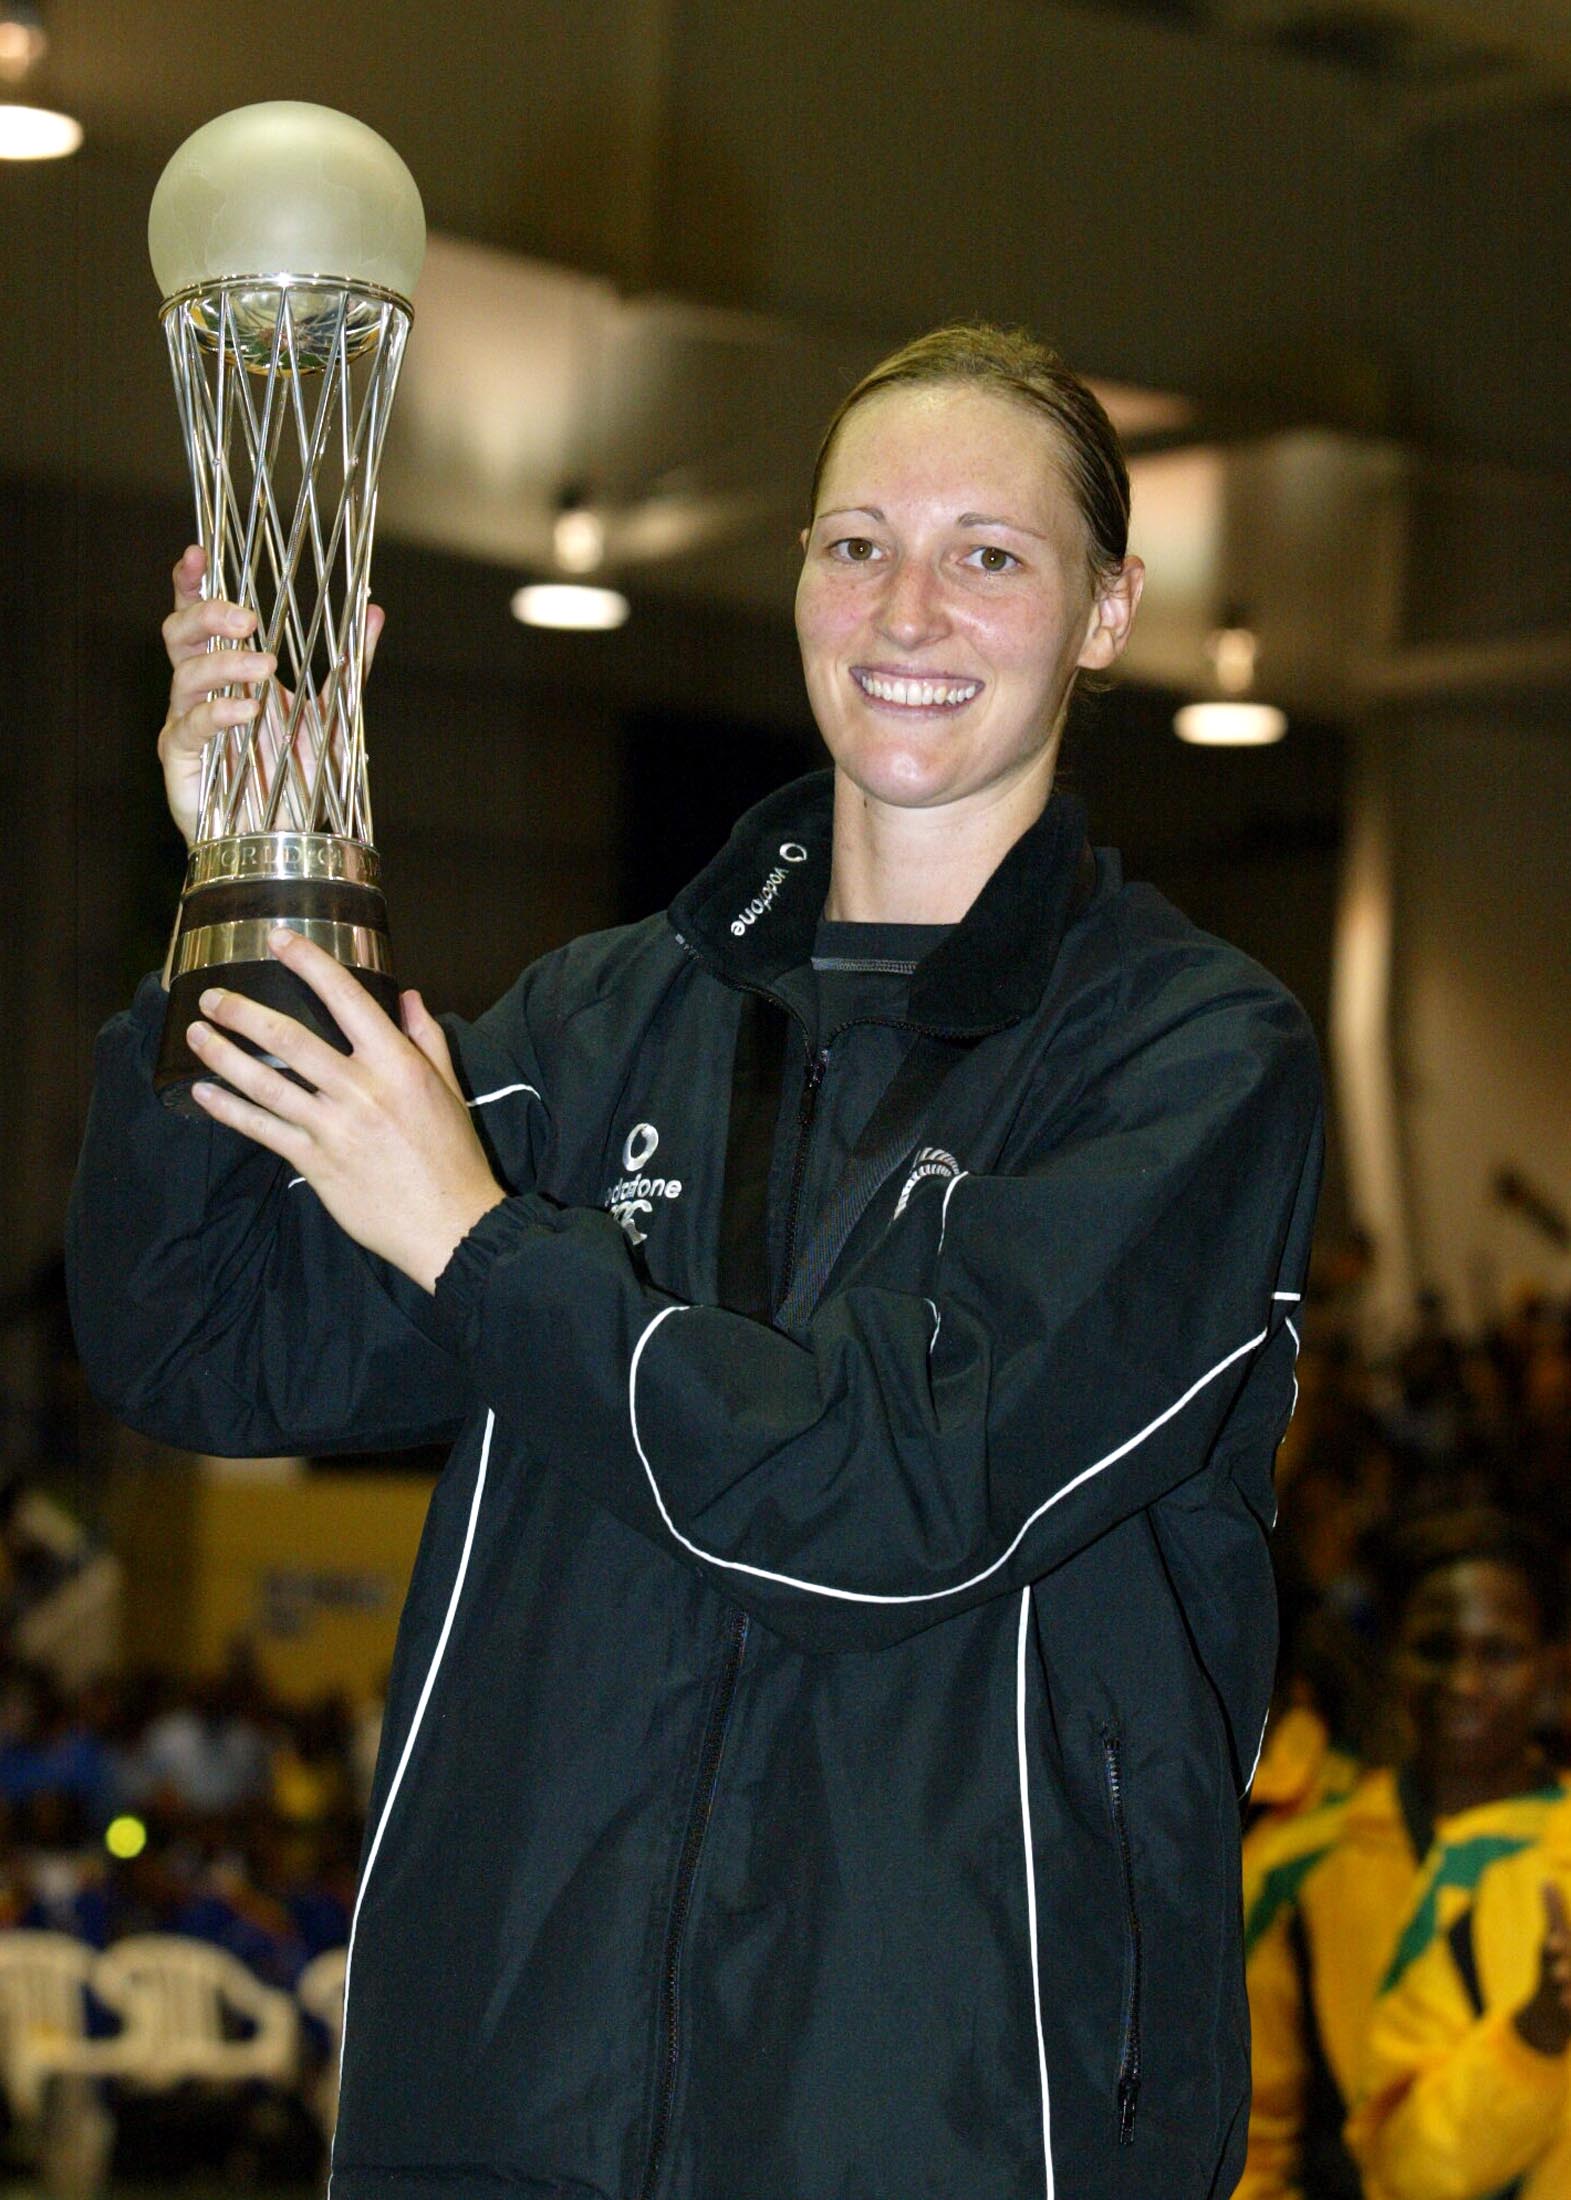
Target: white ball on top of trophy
(286, 239)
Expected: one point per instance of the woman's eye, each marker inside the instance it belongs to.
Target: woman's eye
(854, 550)
(987, 557)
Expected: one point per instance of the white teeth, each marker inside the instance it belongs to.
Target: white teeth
(916, 694)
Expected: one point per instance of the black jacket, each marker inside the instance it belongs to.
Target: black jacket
(813, 1754)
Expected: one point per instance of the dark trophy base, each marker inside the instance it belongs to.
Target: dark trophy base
(269, 982)
(236, 891)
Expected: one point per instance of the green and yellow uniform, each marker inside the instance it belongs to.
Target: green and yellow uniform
(1325, 1893)
(1454, 2105)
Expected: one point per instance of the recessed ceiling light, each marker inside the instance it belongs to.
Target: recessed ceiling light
(1230, 725)
(570, 604)
(36, 133)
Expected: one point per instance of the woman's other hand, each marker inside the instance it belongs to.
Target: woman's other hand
(385, 1140)
(196, 710)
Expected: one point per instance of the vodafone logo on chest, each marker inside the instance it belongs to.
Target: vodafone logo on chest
(632, 1197)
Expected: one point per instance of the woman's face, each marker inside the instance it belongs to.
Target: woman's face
(945, 601)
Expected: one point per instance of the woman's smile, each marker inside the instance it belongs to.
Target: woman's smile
(938, 694)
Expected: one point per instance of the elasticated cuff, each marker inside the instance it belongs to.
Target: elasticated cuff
(460, 1288)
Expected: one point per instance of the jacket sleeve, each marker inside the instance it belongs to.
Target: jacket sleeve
(1090, 1328)
(1454, 2106)
(217, 1305)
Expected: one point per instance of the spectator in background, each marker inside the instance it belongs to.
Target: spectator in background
(311, 1764)
(1475, 1602)
(45, 1748)
(235, 1905)
(212, 1754)
(1467, 2074)
(64, 1869)
(312, 1871)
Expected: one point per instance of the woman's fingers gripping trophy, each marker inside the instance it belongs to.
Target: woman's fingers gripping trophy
(211, 644)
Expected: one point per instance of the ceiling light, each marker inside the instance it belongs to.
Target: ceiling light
(1230, 725)
(1234, 722)
(570, 604)
(1233, 649)
(28, 132)
(578, 539)
(37, 133)
(23, 40)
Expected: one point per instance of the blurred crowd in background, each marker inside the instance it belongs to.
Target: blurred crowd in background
(147, 1804)
(1422, 1716)
(1408, 2040)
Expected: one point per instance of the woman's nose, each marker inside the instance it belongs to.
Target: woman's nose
(911, 610)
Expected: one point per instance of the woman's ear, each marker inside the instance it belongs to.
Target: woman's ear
(1113, 608)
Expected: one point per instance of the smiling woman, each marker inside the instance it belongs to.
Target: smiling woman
(844, 1629)
(965, 561)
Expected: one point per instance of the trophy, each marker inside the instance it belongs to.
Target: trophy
(286, 239)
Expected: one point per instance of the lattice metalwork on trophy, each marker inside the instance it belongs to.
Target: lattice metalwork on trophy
(285, 388)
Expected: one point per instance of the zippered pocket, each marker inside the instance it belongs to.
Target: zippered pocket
(1129, 2040)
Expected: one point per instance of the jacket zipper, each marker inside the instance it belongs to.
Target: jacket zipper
(1129, 2052)
(807, 1108)
(814, 1077)
(682, 1895)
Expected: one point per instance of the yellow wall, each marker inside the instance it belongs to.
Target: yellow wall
(312, 1570)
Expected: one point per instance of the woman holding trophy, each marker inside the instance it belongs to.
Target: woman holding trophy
(861, 1304)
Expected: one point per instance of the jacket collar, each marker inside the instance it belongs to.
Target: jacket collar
(751, 914)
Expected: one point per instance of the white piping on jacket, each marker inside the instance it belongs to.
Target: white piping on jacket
(1297, 1348)
(420, 1710)
(943, 1212)
(1025, 1829)
(923, 1596)
(1260, 1750)
(484, 1099)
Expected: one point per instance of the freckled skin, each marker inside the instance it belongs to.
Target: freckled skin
(1470, 1667)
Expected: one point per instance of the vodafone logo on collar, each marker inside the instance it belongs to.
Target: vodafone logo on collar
(791, 851)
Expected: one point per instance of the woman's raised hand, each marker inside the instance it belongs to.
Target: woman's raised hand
(196, 710)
